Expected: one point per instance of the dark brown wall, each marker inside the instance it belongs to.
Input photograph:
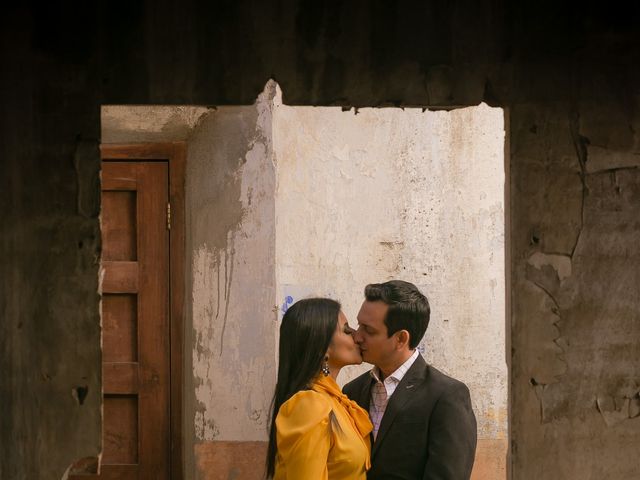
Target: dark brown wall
(567, 73)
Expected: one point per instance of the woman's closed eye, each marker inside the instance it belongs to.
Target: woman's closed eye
(347, 329)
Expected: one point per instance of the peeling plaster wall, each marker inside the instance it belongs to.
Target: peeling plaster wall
(230, 243)
(50, 358)
(567, 74)
(230, 201)
(378, 194)
(126, 124)
(576, 376)
(384, 193)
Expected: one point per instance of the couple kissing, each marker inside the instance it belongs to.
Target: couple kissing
(404, 419)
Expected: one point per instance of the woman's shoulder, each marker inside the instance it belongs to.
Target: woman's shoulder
(305, 407)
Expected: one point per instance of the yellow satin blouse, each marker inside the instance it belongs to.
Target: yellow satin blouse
(322, 435)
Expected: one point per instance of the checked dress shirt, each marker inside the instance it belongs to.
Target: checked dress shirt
(383, 389)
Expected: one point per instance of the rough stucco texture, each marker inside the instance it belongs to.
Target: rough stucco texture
(576, 312)
(50, 375)
(384, 193)
(418, 195)
(567, 74)
(125, 124)
(231, 243)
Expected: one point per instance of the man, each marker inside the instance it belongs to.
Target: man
(424, 427)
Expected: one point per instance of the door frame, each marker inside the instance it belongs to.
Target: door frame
(174, 153)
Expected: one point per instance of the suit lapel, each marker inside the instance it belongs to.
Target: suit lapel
(403, 392)
(364, 395)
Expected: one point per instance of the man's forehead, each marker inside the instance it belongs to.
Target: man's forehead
(371, 312)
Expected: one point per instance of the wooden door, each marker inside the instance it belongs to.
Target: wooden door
(135, 321)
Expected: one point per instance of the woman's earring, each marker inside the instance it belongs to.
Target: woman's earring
(325, 367)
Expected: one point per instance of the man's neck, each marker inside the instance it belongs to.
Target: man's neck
(385, 371)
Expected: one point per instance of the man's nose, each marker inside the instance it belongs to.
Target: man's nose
(356, 336)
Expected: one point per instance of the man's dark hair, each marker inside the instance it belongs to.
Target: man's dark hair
(408, 308)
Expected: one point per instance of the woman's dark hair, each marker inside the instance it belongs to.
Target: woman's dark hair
(408, 308)
(305, 334)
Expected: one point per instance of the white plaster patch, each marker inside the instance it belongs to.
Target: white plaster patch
(352, 199)
(234, 284)
(392, 193)
(560, 263)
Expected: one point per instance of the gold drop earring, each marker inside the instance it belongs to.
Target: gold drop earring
(325, 367)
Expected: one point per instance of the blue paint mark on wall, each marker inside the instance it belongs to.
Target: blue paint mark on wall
(288, 301)
(292, 293)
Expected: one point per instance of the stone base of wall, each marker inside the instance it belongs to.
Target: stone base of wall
(491, 459)
(245, 460)
(230, 460)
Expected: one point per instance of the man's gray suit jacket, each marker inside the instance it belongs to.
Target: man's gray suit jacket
(428, 431)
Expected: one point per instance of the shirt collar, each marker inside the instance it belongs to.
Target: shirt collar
(398, 374)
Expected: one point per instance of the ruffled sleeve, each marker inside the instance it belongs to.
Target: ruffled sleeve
(303, 437)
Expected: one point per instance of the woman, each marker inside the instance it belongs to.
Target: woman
(317, 433)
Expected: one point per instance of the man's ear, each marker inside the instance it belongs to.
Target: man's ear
(403, 338)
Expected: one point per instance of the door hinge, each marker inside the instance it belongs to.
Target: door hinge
(168, 216)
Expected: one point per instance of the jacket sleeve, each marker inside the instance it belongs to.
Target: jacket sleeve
(303, 436)
(452, 436)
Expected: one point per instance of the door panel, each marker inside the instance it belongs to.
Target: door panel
(119, 328)
(119, 229)
(135, 287)
(120, 436)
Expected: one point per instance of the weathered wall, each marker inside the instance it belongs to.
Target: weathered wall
(576, 380)
(230, 327)
(50, 375)
(231, 256)
(567, 73)
(379, 194)
(390, 193)
(125, 124)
